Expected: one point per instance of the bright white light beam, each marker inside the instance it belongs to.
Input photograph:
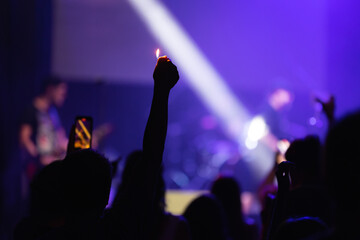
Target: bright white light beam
(202, 76)
(256, 131)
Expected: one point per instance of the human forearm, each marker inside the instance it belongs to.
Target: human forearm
(156, 127)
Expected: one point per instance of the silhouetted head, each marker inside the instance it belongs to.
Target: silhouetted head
(305, 153)
(55, 90)
(299, 228)
(206, 218)
(342, 161)
(87, 181)
(132, 161)
(132, 165)
(134, 177)
(47, 200)
(227, 190)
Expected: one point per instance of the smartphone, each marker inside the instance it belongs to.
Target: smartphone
(83, 132)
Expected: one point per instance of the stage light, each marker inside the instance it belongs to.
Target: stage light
(312, 121)
(251, 144)
(257, 129)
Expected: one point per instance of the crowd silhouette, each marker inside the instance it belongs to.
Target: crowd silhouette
(316, 195)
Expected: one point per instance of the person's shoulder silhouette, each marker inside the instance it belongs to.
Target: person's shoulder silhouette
(86, 182)
(46, 204)
(342, 163)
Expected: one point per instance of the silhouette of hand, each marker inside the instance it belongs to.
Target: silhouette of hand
(328, 107)
(283, 176)
(165, 74)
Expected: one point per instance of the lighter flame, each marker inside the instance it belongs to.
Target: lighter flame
(157, 53)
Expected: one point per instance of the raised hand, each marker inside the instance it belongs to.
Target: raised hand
(165, 74)
(328, 108)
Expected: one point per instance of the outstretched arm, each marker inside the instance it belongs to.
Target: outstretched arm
(131, 213)
(284, 182)
(165, 77)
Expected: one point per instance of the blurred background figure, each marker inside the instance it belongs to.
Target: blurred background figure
(41, 135)
(276, 112)
(228, 191)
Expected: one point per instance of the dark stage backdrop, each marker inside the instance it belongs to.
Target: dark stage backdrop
(25, 49)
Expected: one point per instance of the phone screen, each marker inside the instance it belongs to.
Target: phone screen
(83, 131)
